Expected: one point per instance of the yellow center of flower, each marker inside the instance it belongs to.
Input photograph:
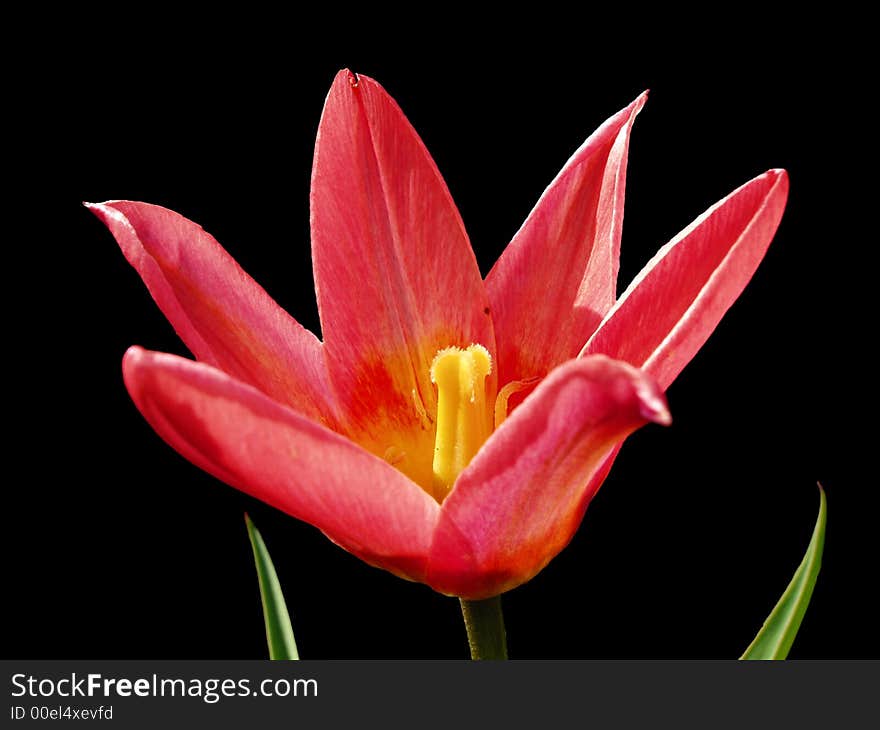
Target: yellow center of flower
(463, 420)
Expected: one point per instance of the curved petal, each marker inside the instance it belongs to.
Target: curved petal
(395, 276)
(570, 246)
(521, 499)
(672, 306)
(223, 316)
(251, 442)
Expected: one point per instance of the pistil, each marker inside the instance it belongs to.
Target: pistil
(463, 420)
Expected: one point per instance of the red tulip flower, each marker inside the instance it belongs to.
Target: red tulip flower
(448, 429)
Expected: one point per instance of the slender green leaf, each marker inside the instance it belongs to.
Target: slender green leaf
(777, 634)
(279, 633)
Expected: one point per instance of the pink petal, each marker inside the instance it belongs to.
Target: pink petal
(277, 455)
(521, 499)
(674, 304)
(558, 277)
(223, 316)
(395, 275)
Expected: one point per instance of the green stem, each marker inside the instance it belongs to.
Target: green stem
(484, 622)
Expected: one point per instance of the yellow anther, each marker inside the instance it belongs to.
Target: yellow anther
(463, 421)
(394, 455)
(424, 416)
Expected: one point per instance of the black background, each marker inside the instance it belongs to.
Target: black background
(117, 547)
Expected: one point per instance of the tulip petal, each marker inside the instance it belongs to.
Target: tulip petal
(395, 277)
(223, 316)
(559, 273)
(523, 496)
(244, 438)
(675, 303)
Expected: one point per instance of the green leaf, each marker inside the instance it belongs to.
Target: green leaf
(279, 633)
(777, 634)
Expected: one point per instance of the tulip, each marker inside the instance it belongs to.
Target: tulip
(448, 429)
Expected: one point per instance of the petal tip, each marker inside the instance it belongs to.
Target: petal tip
(135, 352)
(652, 404)
(656, 412)
(133, 360)
(631, 110)
(776, 176)
(778, 182)
(96, 208)
(105, 211)
(346, 78)
(133, 371)
(100, 206)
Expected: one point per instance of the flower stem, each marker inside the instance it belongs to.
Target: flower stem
(484, 622)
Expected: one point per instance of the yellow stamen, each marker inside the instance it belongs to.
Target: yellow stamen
(394, 455)
(514, 386)
(424, 416)
(462, 417)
